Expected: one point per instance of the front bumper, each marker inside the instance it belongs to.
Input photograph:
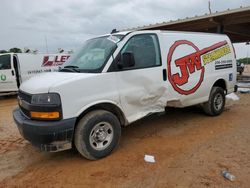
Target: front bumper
(47, 135)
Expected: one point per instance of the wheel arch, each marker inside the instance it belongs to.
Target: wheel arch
(221, 83)
(104, 105)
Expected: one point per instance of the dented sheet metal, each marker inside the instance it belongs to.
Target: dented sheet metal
(142, 92)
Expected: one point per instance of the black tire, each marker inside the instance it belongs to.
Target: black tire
(216, 102)
(97, 134)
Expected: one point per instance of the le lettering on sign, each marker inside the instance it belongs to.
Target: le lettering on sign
(54, 60)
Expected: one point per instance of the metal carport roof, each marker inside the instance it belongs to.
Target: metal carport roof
(235, 23)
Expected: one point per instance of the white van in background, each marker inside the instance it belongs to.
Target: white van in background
(15, 68)
(119, 78)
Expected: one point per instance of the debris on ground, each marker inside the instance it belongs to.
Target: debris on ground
(149, 158)
(228, 175)
(244, 90)
(233, 96)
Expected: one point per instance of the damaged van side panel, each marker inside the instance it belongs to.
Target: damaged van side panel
(141, 95)
(142, 89)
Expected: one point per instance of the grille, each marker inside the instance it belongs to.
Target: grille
(24, 96)
(27, 98)
(25, 112)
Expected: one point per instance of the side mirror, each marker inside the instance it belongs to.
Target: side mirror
(127, 60)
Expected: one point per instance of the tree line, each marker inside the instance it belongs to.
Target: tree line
(12, 50)
(245, 60)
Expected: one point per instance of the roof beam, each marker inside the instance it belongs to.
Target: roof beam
(238, 30)
(234, 19)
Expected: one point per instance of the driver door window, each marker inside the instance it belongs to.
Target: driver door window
(145, 49)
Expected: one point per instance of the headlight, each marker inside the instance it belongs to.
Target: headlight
(46, 106)
(46, 99)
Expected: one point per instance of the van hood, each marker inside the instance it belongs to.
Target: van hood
(43, 82)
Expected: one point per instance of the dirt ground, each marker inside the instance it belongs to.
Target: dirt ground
(190, 149)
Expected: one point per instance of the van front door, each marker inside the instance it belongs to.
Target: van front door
(7, 74)
(141, 83)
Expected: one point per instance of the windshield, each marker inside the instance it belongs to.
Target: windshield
(93, 55)
(5, 62)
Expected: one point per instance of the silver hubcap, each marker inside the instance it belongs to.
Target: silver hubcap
(218, 101)
(101, 136)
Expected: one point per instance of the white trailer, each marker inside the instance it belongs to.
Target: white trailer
(15, 68)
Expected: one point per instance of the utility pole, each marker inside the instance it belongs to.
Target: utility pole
(209, 7)
(46, 44)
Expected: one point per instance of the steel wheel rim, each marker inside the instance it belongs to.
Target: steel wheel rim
(101, 136)
(218, 101)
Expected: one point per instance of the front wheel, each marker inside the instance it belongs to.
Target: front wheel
(97, 134)
(216, 102)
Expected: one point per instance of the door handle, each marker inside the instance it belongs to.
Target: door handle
(12, 72)
(164, 73)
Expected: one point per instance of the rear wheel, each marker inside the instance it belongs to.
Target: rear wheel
(216, 102)
(97, 134)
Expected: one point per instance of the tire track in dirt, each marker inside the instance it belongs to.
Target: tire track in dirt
(12, 143)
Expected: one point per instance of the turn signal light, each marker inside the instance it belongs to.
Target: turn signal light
(45, 115)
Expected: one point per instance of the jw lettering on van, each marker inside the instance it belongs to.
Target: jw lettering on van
(192, 63)
(54, 60)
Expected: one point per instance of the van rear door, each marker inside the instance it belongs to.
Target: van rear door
(7, 74)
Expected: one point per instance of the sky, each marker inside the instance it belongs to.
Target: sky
(67, 24)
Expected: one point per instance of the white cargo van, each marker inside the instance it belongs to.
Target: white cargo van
(18, 67)
(119, 78)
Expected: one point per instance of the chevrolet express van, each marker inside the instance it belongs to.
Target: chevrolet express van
(116, 79)
(15, 68)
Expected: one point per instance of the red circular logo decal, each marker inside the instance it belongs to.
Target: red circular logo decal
(187, 65)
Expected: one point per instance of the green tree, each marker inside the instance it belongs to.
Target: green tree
(3, 51)
(15, 50)
(244, 60)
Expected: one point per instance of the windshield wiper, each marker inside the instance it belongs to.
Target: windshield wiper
(70, 68)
